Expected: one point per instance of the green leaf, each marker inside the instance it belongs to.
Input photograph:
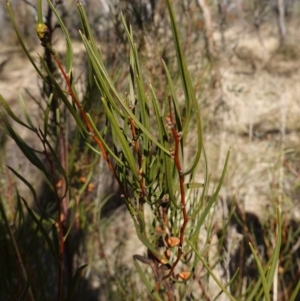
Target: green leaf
(98, 135)
(296, 292)
(276, 253)
(46, 116)
(138, 77)
(27, 285)
(22, 42)
(87, 30)
(40, 11)
(69, 50)
(222, 287)
(24, 270)
(13, 116)
(213, 197)
(123, 142)
(148, 285)
(71, 109)
(190, 99)
(25, 182)
(25, 111)
(184, 75)
(190, 185)
(261, 274)
(26, 150)
(76, 278)
(100, 75)
(272, 265)
(174, 98)
(38, 222)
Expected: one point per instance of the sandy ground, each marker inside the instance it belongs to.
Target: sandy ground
(255, 113)
(260, 117)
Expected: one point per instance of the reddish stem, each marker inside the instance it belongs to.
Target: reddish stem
(177, 137)
(140, 162)
(87, 123)
(135, 143)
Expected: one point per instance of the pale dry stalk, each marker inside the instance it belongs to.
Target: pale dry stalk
(208, 28)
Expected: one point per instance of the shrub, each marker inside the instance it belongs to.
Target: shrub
(142, 139)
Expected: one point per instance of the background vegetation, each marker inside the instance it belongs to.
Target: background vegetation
(243, 61)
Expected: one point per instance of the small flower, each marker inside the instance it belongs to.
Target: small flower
(167, 253)
(184, 275)
(173, 241)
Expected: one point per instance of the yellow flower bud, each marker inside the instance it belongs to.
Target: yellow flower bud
(41, 29)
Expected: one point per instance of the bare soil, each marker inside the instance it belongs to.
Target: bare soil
(254, 113)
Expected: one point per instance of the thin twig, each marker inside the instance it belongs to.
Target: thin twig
(177, 137)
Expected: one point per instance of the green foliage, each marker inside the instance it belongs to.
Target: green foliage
(142, 140)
